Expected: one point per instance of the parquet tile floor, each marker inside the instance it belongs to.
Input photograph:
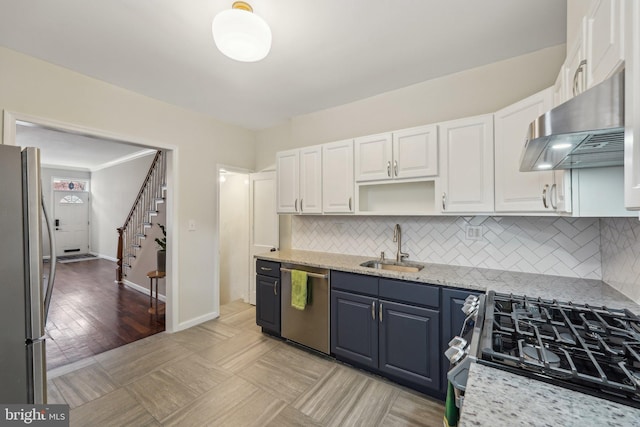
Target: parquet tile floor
(91, 314)
(225, 372)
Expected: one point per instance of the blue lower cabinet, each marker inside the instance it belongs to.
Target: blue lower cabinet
(268, 303)
(354, 328)
(452, 320)
(395, 333)
(409, 343)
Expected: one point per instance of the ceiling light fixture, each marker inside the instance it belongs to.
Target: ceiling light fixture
(240, 34)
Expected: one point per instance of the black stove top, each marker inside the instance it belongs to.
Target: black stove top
(595, 350)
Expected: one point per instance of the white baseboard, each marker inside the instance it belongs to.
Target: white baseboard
(197, 321)
(108, 258)
(142, 289)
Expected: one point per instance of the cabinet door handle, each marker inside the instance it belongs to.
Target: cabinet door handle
(579, 70)
(444, 201)
(544, 196)
(395, 167)
(380, 312)
(389, 168)
(553, 194)
(301, 208)
(296, 205)
(349, 203)
(373, 310)
(275, 287)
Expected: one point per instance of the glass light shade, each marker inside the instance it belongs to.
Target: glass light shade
(241, 35)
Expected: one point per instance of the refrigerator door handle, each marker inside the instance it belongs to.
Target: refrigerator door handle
(52, 261)
(32, 199)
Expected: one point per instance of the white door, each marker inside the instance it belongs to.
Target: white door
(71, 219)
(264, 233)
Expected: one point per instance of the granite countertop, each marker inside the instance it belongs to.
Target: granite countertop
(498, 398)
(495, 397)
(582, 291)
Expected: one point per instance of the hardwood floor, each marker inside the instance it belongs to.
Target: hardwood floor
(225, 372)
(91, 314)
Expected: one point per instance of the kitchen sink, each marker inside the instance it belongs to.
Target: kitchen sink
(407, 267)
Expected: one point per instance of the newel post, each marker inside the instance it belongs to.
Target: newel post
(119, 255)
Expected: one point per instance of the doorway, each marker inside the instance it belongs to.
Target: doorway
(233, 214)
(127, 151)
(71, 216)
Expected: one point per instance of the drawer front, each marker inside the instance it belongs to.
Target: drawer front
(410, 292)
(268, 268)
(358, 283)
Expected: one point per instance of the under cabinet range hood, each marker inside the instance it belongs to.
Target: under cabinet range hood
(584, 132)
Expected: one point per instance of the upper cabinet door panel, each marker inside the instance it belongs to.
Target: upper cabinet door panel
(518, 191)
(605, 44)
(373, 157)
(466, 180)
(311, 180)
(337, 177)
(287, 164)
(415, 152)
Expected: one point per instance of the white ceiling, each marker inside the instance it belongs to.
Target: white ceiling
(324, 53)
(77, 152)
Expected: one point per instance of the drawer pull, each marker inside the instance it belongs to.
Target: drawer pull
(265, 269)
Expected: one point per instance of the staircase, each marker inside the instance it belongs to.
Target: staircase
(145, 207)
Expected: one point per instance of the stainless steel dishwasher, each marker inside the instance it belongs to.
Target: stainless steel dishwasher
(309, 327)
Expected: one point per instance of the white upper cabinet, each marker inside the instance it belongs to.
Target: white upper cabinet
(632, 107)
(598, 50)
(466, 182)
(299, 178)
(337, 177)
(311, 180)
(519, 191)
(374, 157)
(575, 66)
(407, 153)
(288, 180)
(605, 39)
(415, 152)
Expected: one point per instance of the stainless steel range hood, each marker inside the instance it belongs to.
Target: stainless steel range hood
(584, 132)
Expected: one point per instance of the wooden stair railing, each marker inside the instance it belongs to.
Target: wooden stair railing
(132, 232)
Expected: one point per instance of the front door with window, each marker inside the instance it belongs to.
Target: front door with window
(71, 222)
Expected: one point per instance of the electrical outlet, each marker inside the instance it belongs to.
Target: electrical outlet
(473, 232)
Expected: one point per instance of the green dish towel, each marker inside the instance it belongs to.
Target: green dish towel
(451, 413)
(298, 289)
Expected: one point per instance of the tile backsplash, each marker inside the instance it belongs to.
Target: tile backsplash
(548, 245)
(621, 255)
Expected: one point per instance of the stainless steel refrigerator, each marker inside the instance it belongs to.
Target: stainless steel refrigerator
(24, 292)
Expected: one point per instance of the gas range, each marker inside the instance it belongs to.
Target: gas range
(594, 350)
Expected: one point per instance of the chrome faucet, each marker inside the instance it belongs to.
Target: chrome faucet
(397, 237)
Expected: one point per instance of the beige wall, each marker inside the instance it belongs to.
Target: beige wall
(37, 88)
(477, 91)
(114, 189)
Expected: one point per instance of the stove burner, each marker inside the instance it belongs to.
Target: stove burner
(592, 349)
(532, 353)
(567, 338)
